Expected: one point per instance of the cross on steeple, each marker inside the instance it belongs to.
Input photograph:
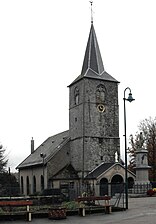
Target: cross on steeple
(91, 3)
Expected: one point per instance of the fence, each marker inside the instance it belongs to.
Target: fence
(140, 188)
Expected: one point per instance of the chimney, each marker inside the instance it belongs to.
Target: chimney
(32, 145)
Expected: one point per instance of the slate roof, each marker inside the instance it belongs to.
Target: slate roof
(49, 147)
(93, 65)
(99, 170)
(102, 168)
(92, 59)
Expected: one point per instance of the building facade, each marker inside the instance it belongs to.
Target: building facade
(93, 136)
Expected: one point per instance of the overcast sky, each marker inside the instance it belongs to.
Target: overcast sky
(42, 46)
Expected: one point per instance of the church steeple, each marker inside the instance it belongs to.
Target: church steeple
(92, 64)
(92, 60)
(93, 112)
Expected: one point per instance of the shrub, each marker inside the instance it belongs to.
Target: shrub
(72, 205)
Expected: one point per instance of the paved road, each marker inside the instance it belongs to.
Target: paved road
(141, 211)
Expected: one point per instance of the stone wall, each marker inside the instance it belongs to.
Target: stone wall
(94, 135)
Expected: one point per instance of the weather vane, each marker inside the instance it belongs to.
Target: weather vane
(91, 3)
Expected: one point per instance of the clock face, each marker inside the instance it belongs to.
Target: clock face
(101, 108)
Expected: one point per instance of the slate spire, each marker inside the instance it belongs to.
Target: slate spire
(92, 60)
(92, 64)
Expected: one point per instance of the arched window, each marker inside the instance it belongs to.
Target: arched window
(22, 185)
(100, 94)
(42, 182)
(27, 184)
(103, 187)
(34, 184)
(76, 96)
(117, 184)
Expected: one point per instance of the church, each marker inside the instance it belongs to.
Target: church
(88, 154)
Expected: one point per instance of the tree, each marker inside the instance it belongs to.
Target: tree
(148, 129)
(8, 182)
(8, 185)
(3, 160)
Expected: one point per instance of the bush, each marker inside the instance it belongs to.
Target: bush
(72, 205)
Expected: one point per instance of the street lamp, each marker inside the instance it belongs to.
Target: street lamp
(129, 99)
(43, 155)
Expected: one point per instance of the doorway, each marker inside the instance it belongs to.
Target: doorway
(103, 187)
(117, 184)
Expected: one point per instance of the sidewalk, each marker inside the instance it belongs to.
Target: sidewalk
(141, 211)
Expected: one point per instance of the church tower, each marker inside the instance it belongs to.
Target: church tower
(93, 112)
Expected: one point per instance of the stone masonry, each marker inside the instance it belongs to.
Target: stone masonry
(94, 135)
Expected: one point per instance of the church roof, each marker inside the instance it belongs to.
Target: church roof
(103, 168)
(92, 59)
(49, 148)
(99, 170)
(93, 65)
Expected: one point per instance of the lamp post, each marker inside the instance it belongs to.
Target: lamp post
(43, 155)
(129, 99)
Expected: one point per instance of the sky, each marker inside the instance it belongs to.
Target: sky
(42, 46)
